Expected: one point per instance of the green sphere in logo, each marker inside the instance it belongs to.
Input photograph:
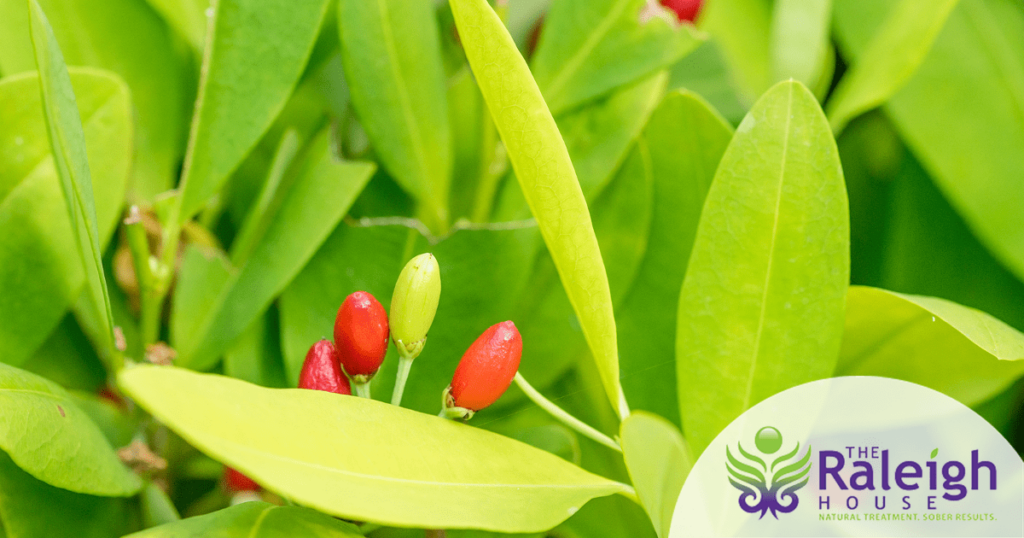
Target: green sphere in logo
(768, 440)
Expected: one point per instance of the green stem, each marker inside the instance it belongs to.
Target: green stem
(404, 365)
(362, 389)
(564, 416)
(149, 299)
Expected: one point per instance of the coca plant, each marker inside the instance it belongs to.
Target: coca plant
(647, 225)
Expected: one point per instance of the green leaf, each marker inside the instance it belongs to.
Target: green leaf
(67, 142)
(41, 424)
(322, 191)
(30, 508)
(742, 31)
(251, 63)
(157, 507)
(658, 461)
(705, 73)
(547, 179)
(962, 114)
(682, 145)
(483, 273)
(961, 352)
(127, 38)
(392, 58)
(599, 136)
(590, 47)
(761, 308)
(800, 40)
(256, 519)
(256, 355)
(935, 452)
(187, 17)
(890, 59)
(68, 359)
(409, 468)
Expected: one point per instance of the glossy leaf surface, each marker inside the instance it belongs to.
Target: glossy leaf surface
(409, 468)
(41, 425)
(250, 66)
(39, 280)
(962, 352)
(658, 461)
(762, 304)
(547, 178)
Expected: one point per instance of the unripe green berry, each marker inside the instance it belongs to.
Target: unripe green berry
(414, 304)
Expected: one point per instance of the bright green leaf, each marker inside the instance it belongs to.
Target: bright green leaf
(409, 468)
(590, 47)
(962, 114)
(187, 17)
(546, 177)
(321, 192)
(42, 425)
(30, 509)
(682, 145)
(890, 59)
(256, 519)
(800, 40)
(953, 349)
(67, 142)
(250, 66)
(658, 461)
(127, 38)
(761, 308)
(392, 58)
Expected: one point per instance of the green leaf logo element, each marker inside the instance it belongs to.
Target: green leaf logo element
(935, 453)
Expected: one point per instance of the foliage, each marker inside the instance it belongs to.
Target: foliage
(681, 220)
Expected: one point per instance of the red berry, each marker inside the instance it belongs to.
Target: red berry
(361, 335)
(488, 367)
(686, 10)
(235, 481)
(321, 370)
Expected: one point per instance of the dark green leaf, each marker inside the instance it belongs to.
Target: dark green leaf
(250, 66)
(590, 47)
(323, 190)
(256, 519)
(681, 146)
(742, 31)
(392, 57)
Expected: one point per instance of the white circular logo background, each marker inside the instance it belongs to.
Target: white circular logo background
(855, 456)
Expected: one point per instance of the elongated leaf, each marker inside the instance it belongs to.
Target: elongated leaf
(658, 461)
(800, 40)
(250, 66)
(590, 47)
(67, 142)
(203, 274)
(389, 464)
(256, 355)
(127, 38)
(256, 520)
(31, 508)
(892, 57)
(964, 353)
(682, 144)
(962, 114)
(546, 177)
(392, 57)
(762, 304)
(742, 31)
(187, 17)
(42, 426)
(323, 190)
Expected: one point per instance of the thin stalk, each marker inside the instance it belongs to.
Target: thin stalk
(362, 389)
(404, 365)
(564, 416)
(149, 300)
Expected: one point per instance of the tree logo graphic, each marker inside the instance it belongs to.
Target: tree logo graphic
(768, 487)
